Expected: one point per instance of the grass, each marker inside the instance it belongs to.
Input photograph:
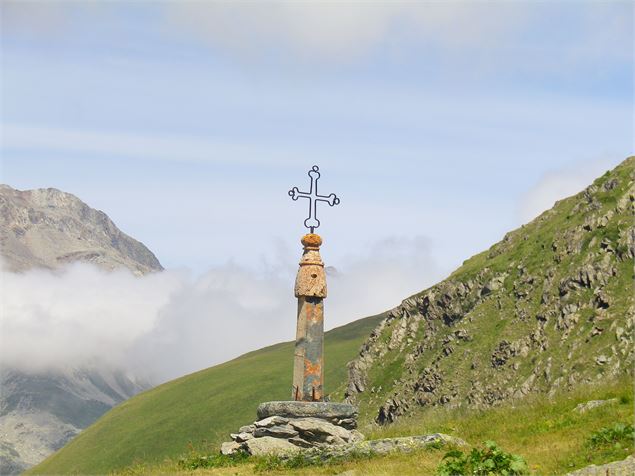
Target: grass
(551, 437)
(198, 410)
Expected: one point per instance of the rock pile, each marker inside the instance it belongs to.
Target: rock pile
(287, 427)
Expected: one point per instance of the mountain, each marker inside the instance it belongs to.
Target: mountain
(48, 228)
(546, 311)
(41, 411)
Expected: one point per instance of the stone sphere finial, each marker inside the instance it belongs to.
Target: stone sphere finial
(311, 241)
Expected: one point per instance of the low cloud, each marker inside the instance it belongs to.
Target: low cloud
(167, 324)
(558, 184)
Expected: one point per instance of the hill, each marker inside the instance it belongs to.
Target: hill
(543, 314)
(546, 309)
(201, 408)
(41, 411)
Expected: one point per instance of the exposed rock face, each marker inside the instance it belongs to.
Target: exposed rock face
(40, 412)
(547, 308)
(48, 228)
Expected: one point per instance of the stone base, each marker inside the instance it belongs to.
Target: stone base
(340, 414)
(288, 427)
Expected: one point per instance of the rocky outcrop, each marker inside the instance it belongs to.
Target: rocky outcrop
(547, 308)
(592, 404)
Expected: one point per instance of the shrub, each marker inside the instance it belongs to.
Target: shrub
(618, 435)
(490, 460)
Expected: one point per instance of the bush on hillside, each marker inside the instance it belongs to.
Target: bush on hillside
(619, 435)
(490, 460)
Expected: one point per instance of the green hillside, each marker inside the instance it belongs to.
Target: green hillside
(504, 348)
(548, 308)
(201, 408)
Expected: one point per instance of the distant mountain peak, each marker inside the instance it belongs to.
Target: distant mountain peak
(48, 228)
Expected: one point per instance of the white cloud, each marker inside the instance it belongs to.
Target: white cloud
(345, 31)
(558, 184)
(338, 31)
(494, 33)
(168, 324)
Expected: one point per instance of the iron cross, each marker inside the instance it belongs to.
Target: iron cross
(312, 221)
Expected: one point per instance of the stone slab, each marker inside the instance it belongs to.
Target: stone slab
(268, 445)
(271, 421)
(293, 409)
(318, 426)
(278, 431)
(229, 448)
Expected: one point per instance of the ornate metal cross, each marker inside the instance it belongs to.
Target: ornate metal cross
(312, 221)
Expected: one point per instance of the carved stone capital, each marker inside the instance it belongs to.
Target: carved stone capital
(311, 279)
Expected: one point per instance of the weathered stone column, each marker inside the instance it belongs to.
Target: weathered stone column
(310, 289)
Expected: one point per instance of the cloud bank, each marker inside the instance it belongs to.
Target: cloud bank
(167, 324)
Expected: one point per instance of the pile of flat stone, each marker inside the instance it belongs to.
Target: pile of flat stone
(288, 427)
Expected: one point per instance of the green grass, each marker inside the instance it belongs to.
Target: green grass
(200, 409)
(548, 434)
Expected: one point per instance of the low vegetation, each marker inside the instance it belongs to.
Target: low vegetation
(538, 436)
(482, 461)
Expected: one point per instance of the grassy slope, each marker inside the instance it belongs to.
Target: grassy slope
(551, 437)
(497, 318)
(201, 408)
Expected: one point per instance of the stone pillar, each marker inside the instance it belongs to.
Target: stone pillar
(310, 289)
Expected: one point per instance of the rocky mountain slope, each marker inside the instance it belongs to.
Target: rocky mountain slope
(47, 228)
(40, 412)
(547, 308)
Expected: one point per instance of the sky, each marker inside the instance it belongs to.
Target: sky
(440, 125)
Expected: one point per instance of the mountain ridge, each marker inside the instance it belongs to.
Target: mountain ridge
(40, 411)
(48, 228)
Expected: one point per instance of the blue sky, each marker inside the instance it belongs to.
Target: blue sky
(439, 125)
